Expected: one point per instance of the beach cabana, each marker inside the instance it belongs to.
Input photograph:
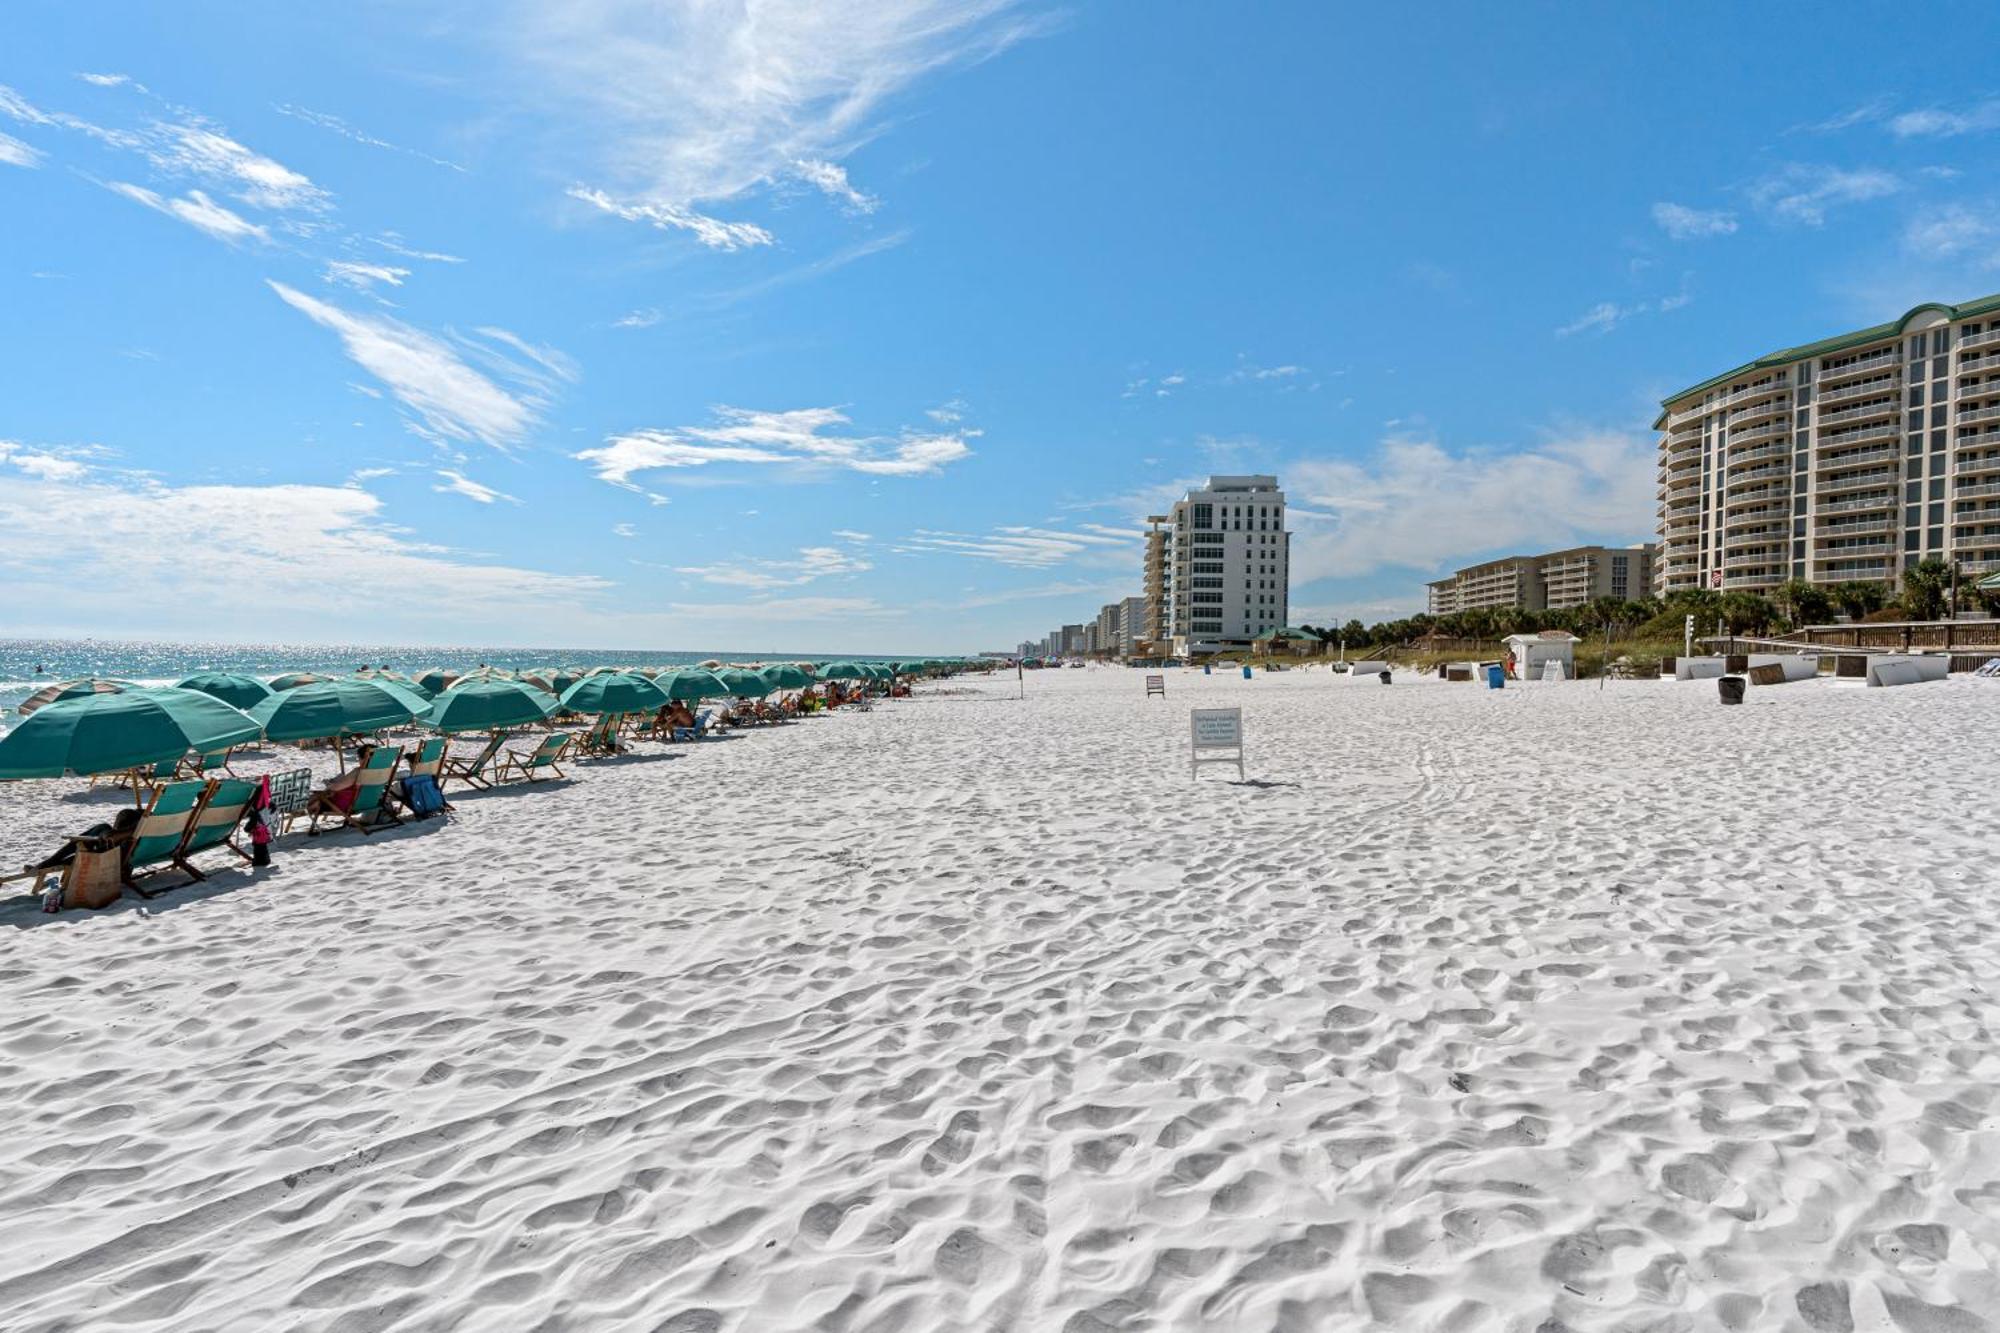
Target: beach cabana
(1528, 655)
(238, 691)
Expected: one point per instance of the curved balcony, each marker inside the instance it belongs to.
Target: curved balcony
(1854, 458)
(1976, 488)
(1861, 504)
(1887, 407)
(1889, 384)
(1749, 456)
(1836, 439)
(1860, 365)
(1967, 418)
(1737, 480)
(1744, 416)
(1985, 339)
(1760, 389)
(1859, 481)
(1777, 430)
(1976, 466)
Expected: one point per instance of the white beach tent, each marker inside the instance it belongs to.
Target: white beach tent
(1528, 655)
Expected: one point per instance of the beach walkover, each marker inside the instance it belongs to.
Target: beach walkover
(1469, 1009)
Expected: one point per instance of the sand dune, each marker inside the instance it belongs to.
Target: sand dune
(1546, 1009)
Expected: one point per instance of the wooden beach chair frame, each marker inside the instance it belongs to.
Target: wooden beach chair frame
(547, 752)
(477, 772)
(370, 798)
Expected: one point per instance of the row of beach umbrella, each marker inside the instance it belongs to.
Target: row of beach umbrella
(104, 726)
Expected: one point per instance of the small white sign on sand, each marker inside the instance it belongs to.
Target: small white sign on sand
(1215, 730)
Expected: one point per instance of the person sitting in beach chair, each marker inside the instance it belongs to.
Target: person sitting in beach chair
(354, 799)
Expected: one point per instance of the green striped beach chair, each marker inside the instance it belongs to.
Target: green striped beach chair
(216, 821)
(541, 763)
(427, 760)
(162, 830)
(479, 772)
(368, 811)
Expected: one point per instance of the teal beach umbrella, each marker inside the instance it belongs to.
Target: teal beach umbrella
(744, 683)
(614, 692)
(80, 688)
(238, 691)
(109, 733)
(335, 708)
(487, 704)
(785, 676)
(693, 683)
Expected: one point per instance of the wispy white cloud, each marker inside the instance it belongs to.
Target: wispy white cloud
(334, 124)
(42, 463)
(711, 232)
(200, 150)
(14, 153)
(637, 319)
(830, 178)
(457, 483)
(1419, 506)
(394, 244)
(1688, 224)
(624, 530)
(445, 399)
(1943, 123)
(812, 563)
(1803, 193)
(804, 438)
(692, 109)
(363, 277)
(330, 547)
(848, 534)
(1608, 315)
(198, 211)
(1955, 233)
(106, 80)
(1027, 547)
(1867, 112)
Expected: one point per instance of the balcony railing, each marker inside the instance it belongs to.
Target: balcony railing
(1992, 413)
(1855, 458)
(1678, 492)
(1886, 384)
(1780, 450)
(1852, 525)
(1830, 567)
(1886, 500)
(1755, 411)
(1776, 430)
(1758, 561)
(1980, 488)
(1744, 478)
(1979, 566)
(1860, 481)
(1978, 438)
(1986, 388)
(1741, 580)
(1859, 548)
(1888, 407)
(1736, 501)
(1979, 339)
(1873, 361)
(1757, 390)
(1836, 438)
(1687, 414)
(1971, 466)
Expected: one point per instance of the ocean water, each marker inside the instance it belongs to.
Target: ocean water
(26, 665)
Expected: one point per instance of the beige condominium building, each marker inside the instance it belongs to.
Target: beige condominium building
(1553, 581)
(1849, 458)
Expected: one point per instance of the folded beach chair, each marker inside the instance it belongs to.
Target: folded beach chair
(291, 793)
(367, 812)
(216, 821)
(540, 764)
(478, 771)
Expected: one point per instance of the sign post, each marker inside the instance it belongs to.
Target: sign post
(1218, 731)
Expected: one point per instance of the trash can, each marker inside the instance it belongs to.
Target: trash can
(1246, 671)
(1207, 669)
(1496, 677)
(1383, 677)
(1731, 688)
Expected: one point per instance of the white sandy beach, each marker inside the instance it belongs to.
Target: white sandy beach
(1553, 1008)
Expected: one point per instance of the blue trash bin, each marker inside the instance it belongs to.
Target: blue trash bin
(1246, 671)
(1496, 678)
(1207, 670)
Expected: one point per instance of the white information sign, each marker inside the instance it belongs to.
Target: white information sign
(1217, 738)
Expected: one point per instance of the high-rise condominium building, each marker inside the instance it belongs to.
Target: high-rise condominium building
(1849, 458)
(1158, 614)
(1228, 580)
(1555, 581)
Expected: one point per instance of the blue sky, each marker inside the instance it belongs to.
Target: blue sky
(881, 326)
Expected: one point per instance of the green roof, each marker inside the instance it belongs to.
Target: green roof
(1839, 342)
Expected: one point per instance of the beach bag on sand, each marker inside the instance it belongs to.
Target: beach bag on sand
(422, 796)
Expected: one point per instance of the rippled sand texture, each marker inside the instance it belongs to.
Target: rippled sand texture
(1540, 1010)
